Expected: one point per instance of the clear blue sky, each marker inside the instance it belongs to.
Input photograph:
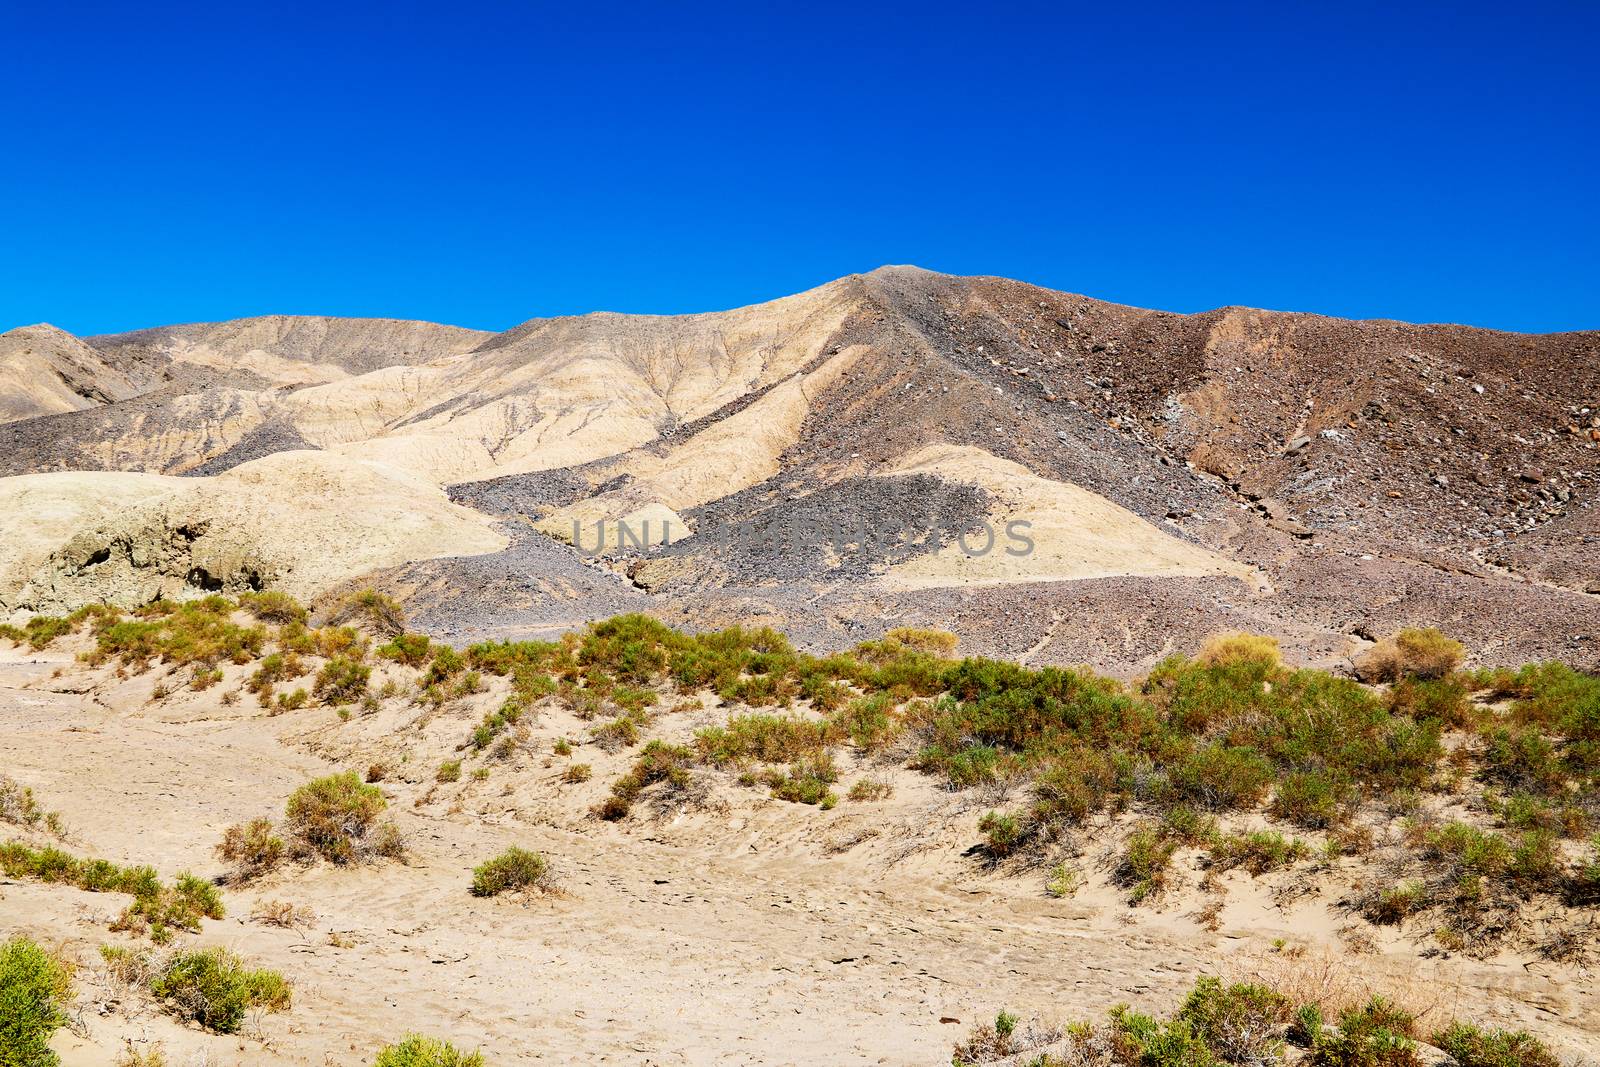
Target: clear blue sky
(483, 164)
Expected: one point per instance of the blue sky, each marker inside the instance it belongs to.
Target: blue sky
(483, 164)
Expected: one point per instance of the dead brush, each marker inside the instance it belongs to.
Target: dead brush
(1334, 986)
(284, 914)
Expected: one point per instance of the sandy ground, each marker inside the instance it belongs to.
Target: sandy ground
(756, 933)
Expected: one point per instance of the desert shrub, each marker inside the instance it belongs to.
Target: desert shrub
(17, 805)
(156, 908)
(284, 914)
(578, 772)
(1142, 1039)
(808, 781)
(154, 1056)
(1260, 851)
(1076, 784)
(41, 630)
(271, 605)
(213, 987)
(620, 732)
(1233, 649)
(414, 1050)
(657, 762)
(293, 701)
(1005, 1040)
(1002, 831)
(35, 988)
(1064, 881)
(204, 678)
(515, 868)
(411, 650)
(1242, 1023)
(1559, 698)
(762, 739)
(1392, 904)
(1222, 777)
(449, 771)
(252, 848)
(1535, 860)
(341, 681)
(337, 818)
(1308, 798)
(1522, 759)
(871, 788)
(1415, 651)
(380, 612)
(444, 665)
(1377, 1034)
(868, 721)
(1145, 858)
(1444, 699)
(1470, 1046)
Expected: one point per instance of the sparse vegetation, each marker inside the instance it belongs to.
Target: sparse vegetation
(214, 988)
(157, 909)
(35, 988)
(337, 818)
(514, 869)
(252, 848)
(414, 1050)
(19, 807)
(1248, 1025)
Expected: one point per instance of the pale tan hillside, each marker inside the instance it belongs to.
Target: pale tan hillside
(45, 371)
(299, 521)
(1320, 479)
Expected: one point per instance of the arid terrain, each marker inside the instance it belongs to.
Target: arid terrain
(818, 458)
(314, 610)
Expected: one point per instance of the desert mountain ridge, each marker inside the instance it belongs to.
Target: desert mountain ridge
(1317, 478)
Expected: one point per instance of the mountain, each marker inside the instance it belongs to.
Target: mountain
(818, 459)
(45, 371)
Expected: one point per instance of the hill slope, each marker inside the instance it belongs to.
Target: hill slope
(830, 459)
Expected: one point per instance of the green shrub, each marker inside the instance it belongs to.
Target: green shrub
(1260, 851)
(212, 987)
(1002, 831)
(1377, 1034)
(34, 990)
(341, 680)
(1145, 858)
(657, 762)
(807, 782)
(273, 606)
(1308, 798)
(336, 817)
(1241, 1022)
(1470, 1046)
(414, 1050)
(1222, 777)
(412, 650)
(252, 848)
(382, 613)
(515, 868)
(449, 771)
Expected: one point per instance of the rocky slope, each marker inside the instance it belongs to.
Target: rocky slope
(825, 460)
